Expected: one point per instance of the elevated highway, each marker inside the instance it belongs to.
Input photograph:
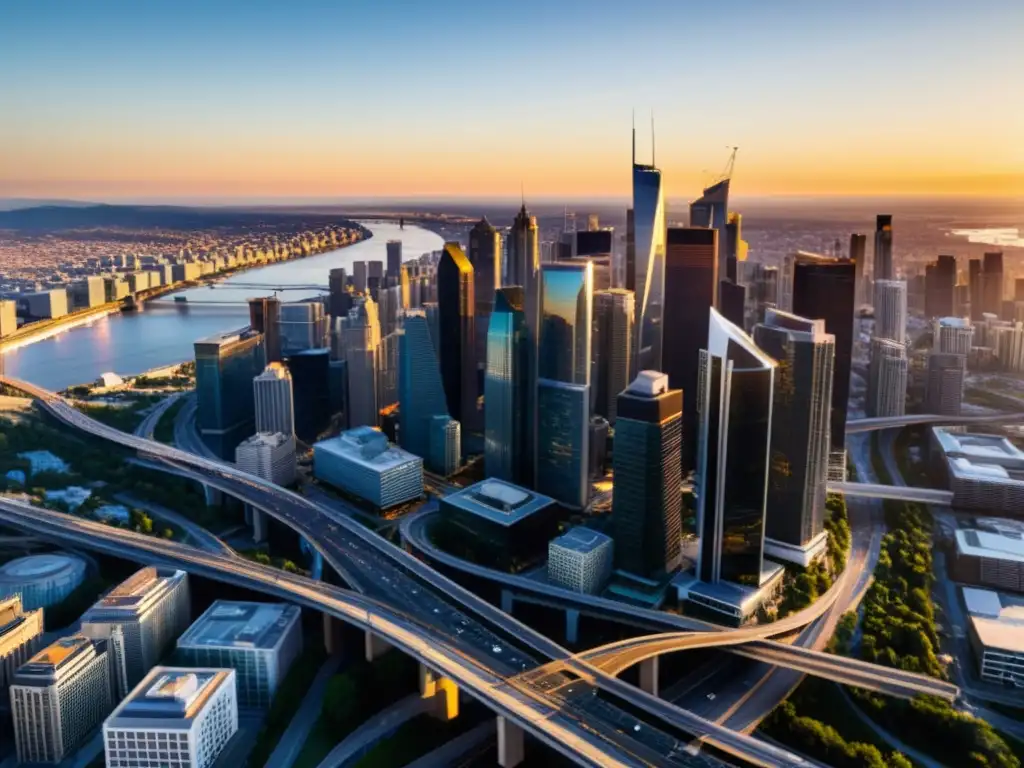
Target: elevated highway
(896, 492)
(873, 424)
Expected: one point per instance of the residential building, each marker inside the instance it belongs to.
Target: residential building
(257, 640)
(274, 400)
(362, 462)
(506, 389)
(226, 364)
(21, 633)
(887, 379)
(174, 717)
(952, 335)
(614, 312)
(944, 392)
(420, 390)
(1007, 341)
(43, 305)
(646, 496)
(57, 697)
(581, 560)
(8, 317)
(270, 455)
(891, 310)
(86, 293)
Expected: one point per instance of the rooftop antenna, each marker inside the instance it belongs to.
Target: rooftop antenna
(652, 138)
(522, 192)
(634, 137)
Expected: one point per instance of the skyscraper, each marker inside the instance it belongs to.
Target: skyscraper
(359, 276)
(732, 301)
(303, 325)
(944, 393)
(563, 441)
(887, 378)
(614, 312)
(952, 335)
(394, 267)
(939, 282)
(275, 406)
(265, 318)
(859, 255)
(712, 210)
(735, 416)
(801, 406)
(646, 498)
(362, 347)
(630, 276)
(976, 286)
(649, 264)
(823, 288)
(992, 293)
(420, 391)
(310, 374)
(505, 388)
(340, 301)
(691, 282)
(456, 306)
(225, 367)
(485, 256)
(891, 310)
(883, 248)
(566, 322)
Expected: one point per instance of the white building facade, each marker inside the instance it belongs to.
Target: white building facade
(268, 455)
(580, 560)
(275, 406)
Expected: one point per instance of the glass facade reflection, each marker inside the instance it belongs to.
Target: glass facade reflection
(735, 415)
(649, 264)
(225, 407)
(420, 393)
(456, 305)
(566, 322)
(563, 441)
(505, 387)
(712, 210)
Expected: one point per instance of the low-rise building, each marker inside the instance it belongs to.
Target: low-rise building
(268, 455)
(997, 635)
(21, 632)
(8, 317)
(992, 557)
(175, 717)
(984, 472)
(258, 640)
(41, 580)
(581, 560)
(86, 293)
(362, 462)
(44, 305)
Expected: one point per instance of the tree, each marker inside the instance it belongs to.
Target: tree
(168, 533)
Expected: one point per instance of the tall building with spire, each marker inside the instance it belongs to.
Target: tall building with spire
(456, 305)
(485, 256)
(711, 209)
(649, 262)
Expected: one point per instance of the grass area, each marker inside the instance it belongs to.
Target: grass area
(124, 417)
(164, 429)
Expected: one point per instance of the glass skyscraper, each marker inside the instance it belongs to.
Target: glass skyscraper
(735, 416)
(614, 314)
(649, 256)
(225, 410)
(646, 498)
(712, 210)
(485, 256)
(505, 388)
(420, 392)
(563, 441)
(567, 298)
(457, 343)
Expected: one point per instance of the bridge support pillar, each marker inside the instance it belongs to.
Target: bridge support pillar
(258, 519)
(510, 743)
(572, 626)
(376, 646)
(507, 601)
(317, 568)
(649, 676)
(443, 691)
(213, 496)
(333, 629)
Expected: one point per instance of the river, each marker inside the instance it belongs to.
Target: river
(129, 343)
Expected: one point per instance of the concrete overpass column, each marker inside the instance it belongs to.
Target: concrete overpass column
(649, 676)
(259, 525)
(442, 690)
(510, 743)
(332, 634)
(376, 646)
(213, 496)
(506, 601)
(572, 626)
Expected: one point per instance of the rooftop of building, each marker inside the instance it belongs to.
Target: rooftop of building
(34, 567)
(133, 592)
(498, 501)
(997, 618)
(648, 384)
(275, 371)
(46, 663)
(227, 338)
(368, 447)
(581, 539)
(993, 449)
(727, 340)
(229, 624)
(272, 439)
(172, 695)
(954, 322)
(998, 544)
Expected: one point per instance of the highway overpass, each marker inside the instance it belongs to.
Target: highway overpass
(891, 422)
(896, 492)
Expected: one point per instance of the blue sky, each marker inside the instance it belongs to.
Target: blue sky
(185, 98)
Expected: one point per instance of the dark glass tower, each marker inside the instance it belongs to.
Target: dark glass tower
(485, 256)
(735, 416)
(265, 318)
(457, 343)
(883, 248)
(858, 255)
(505, 388)
(801, 403)
(712, 210)
(649, 263)
(613, 317)
(225, 407)
(310, 370)
(394, 265)
(976, 286)
(420, 392)
(691, 279)
(992, 266)
(939, 282)
(646, 498)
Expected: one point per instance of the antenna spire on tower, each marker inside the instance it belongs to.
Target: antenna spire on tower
(634, 137)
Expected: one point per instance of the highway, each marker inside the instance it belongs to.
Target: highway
(897, 492)
(875, 423)
(147, 426)
(400, 581)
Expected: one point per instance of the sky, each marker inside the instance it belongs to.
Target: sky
(183, 100)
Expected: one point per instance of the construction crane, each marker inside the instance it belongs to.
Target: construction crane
(727, 173)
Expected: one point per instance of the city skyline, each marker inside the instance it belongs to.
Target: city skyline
(226, 102)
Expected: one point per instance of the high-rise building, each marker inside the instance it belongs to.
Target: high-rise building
(630, 266)
(992, 293)
(563, 441)
(359, 276)
(270, 455)
(735, 417)
(8, 318)
(272, 393)
(891, 310)
(310, 374)
(824, 288)
(420, 391)
(485, 256)
(646, 497)
(944, 393)
(976, 286)
(939, 282)
(457, 316)
(265, 317)
(445, 445)
(952, 335)
(761, 284)
(505, 389)
(57, 697)
(649, 255)
(225, 367)
(887, 378)
(801, 408)
(1008, 345)
(175, 717)
(21, 632)
(581, 560)
(732, 301)
(394, 251)
(362, 462)
(374, 276)
(302, 325)
(883, 267)
(691, 282)
(340, 301)
(859, 256)
(362, 347)
(595, 246)
(614, 313)
(712, 210)
(566, 322)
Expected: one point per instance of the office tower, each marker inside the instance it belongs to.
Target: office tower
(265, 317)
(712, 210)
(801, 406)
(270, 455)
(258, 640)
(361, 461)
(887, 378)
(891, 310)
(485, 256)
(691, 282)
(420, 390)
(883, 248)
(359, 276)
(735, 425)
(389, 305)
(732, 301)
(614, 313)
(1008, 344)
(944, 393)
(175, 717)
(992, 293)
(976, 283)
(309, 372)
(375, 272)
(387, 373)
(581, 560)
(630, 266)
(595, 246)
(340, 301)
(649, 255)
(858, 255)
(952, 335)
(456, 314)
(646, 498)
(21, 632)
(57, 697)
(505, 388)
(394, 251)
(566, 322)
(735, 246)
(302, 325)
(786, 277)
(563, 441)
(761, 285)
(272, 393)
(823, 288)
(940, 279)
(225, 367)
(141, 617)
(362, 346)
(445, 445)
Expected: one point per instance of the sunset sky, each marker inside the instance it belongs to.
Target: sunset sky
(465, 98)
